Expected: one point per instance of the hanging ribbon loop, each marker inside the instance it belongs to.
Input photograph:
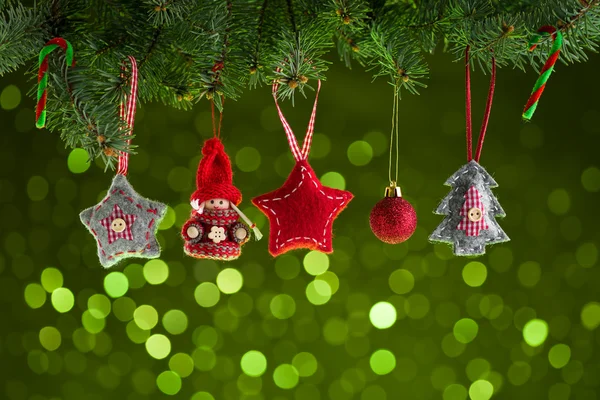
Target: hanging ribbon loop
(42, 89)
(299, 155)
(127, 110)
(488, 108)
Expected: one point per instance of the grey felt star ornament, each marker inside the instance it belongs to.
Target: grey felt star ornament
(124, 224)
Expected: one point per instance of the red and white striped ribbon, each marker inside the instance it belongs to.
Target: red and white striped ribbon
(127, 110)
(298, 154)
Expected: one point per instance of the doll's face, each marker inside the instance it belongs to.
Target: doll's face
(216, 204)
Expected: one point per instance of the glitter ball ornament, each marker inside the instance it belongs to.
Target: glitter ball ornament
(393, 220)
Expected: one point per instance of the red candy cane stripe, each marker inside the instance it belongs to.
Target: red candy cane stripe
(540, 83)
(298, 154)
(42, 89)
(127, 111)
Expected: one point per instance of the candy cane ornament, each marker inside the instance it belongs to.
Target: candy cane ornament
(547, 69)
(42, 89)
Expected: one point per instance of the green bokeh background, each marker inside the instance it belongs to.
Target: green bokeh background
(519, 323)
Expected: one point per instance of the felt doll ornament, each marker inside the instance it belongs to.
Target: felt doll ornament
(214, 230)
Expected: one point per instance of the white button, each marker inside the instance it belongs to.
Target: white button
(192, 232)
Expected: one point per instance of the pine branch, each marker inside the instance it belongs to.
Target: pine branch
(189, 49)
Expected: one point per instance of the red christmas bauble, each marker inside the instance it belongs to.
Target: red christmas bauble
(393, 220)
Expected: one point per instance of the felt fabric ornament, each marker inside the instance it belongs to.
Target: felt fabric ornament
(302, 211)
(213, 230)
(124, 223)
(393, 220)
(471, 208)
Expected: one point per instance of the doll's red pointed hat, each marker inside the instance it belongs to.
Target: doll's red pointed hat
(214, 179)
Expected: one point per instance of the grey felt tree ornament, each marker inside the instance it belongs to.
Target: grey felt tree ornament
(471, 208)
(124, 224)
(471, 175)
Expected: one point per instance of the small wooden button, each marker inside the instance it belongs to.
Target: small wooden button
(118, 225)
(193, 232)
(475, 214)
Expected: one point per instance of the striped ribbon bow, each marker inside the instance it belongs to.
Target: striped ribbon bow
(473, 213)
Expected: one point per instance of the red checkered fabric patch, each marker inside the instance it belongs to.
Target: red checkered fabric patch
(114, 225)
(473, 213)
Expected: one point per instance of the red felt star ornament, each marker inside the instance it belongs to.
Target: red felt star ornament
(302, 211)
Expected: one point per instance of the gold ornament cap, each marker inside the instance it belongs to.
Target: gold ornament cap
(393, 190)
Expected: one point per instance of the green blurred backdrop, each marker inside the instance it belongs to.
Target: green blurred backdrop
(370, 321)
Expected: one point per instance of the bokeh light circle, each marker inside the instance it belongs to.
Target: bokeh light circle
(51, 279)
(360, 153)
(559, 201)
(481, 390)
(286, 376)
(455, 392)
(316, 263)
(230, 280)
(287, 266)
(91, 323)
(474, 273)
(62, 300)
(590, 315)
(333, 180)
(465, 330)
(382, 362)
(535, 332)
(202, 396)
(145, 317)
(169, 383)
(253, 363)
(207, 294)
(519, 373)
(382, 315)
(318, 292)
(559, 355)
(99, 306)
(35, 295)
(37, 188)
(175, 322)
(116, 284)
(156, 271)
(401, 281)
(182, 364)
(282, 306)
(78, 161)
(247, 159)
(123, 308)
(305, 363)
(590, 179)
(50, 338)
(158, 346)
